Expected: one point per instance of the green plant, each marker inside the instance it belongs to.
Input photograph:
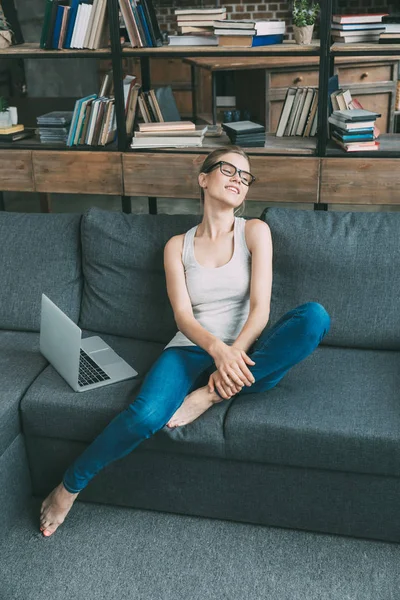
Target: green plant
(305, 12)
(4, 26)
(3, 104)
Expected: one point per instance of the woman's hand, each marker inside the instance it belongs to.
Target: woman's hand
(216, 382)
(231, 363)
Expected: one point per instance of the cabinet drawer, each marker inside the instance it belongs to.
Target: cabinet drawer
(365, 74)
(284, 79)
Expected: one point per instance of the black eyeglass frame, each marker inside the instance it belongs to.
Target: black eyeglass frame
(239, 171)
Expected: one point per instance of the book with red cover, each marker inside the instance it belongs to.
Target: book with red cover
(363, 18)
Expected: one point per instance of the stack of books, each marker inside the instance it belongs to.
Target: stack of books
(196, 26)
(248, 32)
(53, 127)
(141, 23)
(74, 24)
(353, 130)
(15, 133)
(350, 29)
(299, 114)
(391, 34)
(172, 134)
(245, 133)
(93, 122)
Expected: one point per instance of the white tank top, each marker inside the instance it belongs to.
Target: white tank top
(220, 296)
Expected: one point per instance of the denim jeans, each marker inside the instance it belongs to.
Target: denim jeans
(180, 370)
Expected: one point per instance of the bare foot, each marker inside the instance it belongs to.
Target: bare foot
(194, 405)
(55, 508)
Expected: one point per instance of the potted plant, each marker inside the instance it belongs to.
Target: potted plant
(5, 31)
(5, 116)
(305, 13)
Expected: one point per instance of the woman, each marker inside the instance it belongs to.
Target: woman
(219, 279)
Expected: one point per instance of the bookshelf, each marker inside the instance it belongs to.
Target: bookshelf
(118, 170)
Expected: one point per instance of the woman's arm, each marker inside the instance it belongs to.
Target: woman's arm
(179, 297)
(259, 242)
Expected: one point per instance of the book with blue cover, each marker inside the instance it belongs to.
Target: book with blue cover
(267, 40)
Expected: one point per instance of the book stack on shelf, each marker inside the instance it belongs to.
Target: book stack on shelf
(354, 130)
(196, 26)
(249, 33)
(245, 133)
(53, 127)
(391, 34)
(74, 24)
(141, 23)
(173, 134)
(15, 133)
(93, 122)
(350, 29)
(299, 114)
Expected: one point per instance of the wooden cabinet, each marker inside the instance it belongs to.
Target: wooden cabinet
(16, 172)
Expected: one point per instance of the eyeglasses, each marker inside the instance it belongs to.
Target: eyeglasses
(230, 171)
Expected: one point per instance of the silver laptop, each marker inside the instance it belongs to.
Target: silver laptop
(84, 363)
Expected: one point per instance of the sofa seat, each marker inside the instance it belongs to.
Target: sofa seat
(21, 363)
(339, 409)
(50, 409)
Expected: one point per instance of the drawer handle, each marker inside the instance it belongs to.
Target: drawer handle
(298, 80)
(364, 75)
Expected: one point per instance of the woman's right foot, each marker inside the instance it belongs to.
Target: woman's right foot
(55, 508)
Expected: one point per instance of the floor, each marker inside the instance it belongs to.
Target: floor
(108, 553)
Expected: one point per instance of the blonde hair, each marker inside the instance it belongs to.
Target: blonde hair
(214, 157)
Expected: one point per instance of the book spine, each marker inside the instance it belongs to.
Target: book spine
(143, 20)
(52, 22)
(46, 23)
(57, 26)
(71, 24)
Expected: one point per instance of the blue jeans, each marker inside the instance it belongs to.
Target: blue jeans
(180, 370)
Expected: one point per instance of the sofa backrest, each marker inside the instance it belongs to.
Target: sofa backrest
(347, 261)
(124, 281)
(40, 253)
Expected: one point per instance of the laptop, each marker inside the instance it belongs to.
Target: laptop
(84, 363)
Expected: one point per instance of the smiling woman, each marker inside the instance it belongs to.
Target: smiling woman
(219, 280)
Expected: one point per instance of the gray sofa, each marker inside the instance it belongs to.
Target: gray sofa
(321, 451)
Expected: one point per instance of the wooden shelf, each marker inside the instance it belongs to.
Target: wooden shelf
(33, 50)
(365, 49)
(287, 48)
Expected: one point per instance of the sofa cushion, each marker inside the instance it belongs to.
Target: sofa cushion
(338, 409)
(51, 409)
(41, 253)
(21, 363)
(348, 262)
(124, 290)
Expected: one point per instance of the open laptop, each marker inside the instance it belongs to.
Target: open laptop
(83, 363)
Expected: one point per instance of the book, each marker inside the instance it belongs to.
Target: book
(363, 18)
(349, 126)
(75, 117)
(362, 137)
(18, 135)
(197, 11)
(311, 115)
(156, 106)
(285, 114)
(198, 30)
(193, 40)
(153, 22)
(11, 130)
(234, 24)
(267, 40)
(355, 115)
(167, 126)
(195, 23)
(131, 109)
(130, 23)
(71, 23)
(167, 104)
(199, 131)
(242, 41)
(355, 39)
(356, 26)
(358, 146)
(232, 31)
(64, 24)
(308, 97)
(359, 33)
(241, 127)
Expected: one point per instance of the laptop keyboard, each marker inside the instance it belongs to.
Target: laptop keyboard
(89, 372)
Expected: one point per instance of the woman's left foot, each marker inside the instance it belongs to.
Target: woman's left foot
(55, 508)
(194, 405)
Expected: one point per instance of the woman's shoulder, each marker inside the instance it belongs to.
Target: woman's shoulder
(255, 231)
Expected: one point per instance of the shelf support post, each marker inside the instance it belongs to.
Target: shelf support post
(324, 71)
